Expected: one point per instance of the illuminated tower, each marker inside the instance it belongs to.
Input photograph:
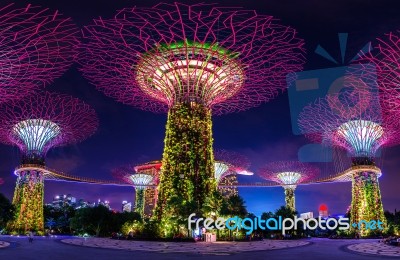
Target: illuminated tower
(150, 193)
(190, 61)
(36, 46)
(289, 174)
(355, 121)
(227, 166)
(36, 124)
(141, 177)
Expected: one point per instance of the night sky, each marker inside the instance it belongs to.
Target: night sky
(128, 135)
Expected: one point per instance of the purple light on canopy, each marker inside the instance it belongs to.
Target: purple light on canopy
(39, 122)
(37, 45)
(228, 59)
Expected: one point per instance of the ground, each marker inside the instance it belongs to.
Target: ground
(54, 248)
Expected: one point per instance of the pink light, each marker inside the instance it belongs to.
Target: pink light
(361, 129)
(272, 170)
(35, 48)
(259, 50)
(75, 120)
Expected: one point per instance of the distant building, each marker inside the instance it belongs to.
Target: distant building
(307, 215)
(64, 200)
(126, 206)
(105, 203)
(323, 211)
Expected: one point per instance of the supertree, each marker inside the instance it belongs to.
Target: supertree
(385, 57)
(227, 166)
(36, 46)
(289, 174)
(192, 61)
(354, 120)
(140, 177)
(36, 124)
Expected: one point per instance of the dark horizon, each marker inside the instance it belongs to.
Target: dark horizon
(127, 135)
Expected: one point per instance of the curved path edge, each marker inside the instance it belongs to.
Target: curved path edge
(186, 247)
(374, 249)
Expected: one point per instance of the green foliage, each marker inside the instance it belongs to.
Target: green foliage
(139, 201)
(100, 221)
(133, 228)
(285, 212)
(6, 211)
(234, 206)
(213, 205)
(57, 219)
(187, 177)
(28, 203)
(290, 198)
(393, 223)
(366, 200)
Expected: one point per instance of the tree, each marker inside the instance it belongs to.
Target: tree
(175, 223)
(6, 211)
(100, 221)
(213, 204)
(234, 206)
(285, 212)
(61, 216)
(50, 223)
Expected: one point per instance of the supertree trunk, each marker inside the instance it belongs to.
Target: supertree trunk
(366, 200)
(290, 198)
(139, 198)
(188, 160)
(28, 202)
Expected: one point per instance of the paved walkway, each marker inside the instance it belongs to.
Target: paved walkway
(52, 248)
(185, 247)
(376, 248)
(4, 244)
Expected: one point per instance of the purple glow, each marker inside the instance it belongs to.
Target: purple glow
(137, 56)
(54, 120)
(36, 46)
(284, 172)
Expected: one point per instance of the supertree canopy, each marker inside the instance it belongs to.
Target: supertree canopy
(141, 177)
(386, 60)
(36, 124)
(192, 61)
(36, 46)
(289, 174)
(355, 121)
(228, 165)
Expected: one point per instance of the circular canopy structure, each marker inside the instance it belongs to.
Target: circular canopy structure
(386, 60)
(41, 121)
(289, 173)
(228, 162)
(353, 120)
(187, 71)
(139, 176)
(227, 59)
(141, 180)
(37, 45)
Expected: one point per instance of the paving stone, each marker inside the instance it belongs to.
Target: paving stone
(375, 248)
(216, 247)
